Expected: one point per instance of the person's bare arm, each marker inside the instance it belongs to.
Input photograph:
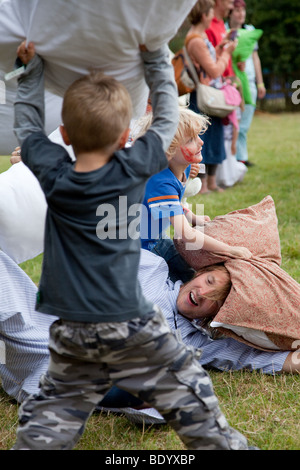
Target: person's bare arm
(292, 362)
(198, 240)
(261, 90)
(199, 52)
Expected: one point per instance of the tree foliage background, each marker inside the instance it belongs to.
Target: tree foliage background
(279, 45)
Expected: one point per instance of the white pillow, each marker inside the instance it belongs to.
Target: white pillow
(72, 37)
(256, 337)
(22, 213)
(8, 140)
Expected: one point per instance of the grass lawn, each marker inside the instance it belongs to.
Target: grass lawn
(264, 408)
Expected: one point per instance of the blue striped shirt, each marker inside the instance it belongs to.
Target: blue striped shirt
(24, 332)
(222, 354)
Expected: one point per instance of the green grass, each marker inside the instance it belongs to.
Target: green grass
(264, 408)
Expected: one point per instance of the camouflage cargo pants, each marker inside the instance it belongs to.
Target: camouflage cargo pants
(141, 356)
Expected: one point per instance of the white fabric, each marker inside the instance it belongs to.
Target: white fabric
(22, 213)
(73, 36)
(230, 171)
(8, 140)
(23, 210)
(56, 137)
(259, 338)
(193, 186)
(24, 333)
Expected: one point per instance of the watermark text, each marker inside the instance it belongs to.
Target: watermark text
(2, 92)
(2, 353)
(138, 221)
(296, 94)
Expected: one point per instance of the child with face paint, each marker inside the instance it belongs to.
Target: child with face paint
(162, 206)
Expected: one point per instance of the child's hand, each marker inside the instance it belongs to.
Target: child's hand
(195, 168)
(201, 219)
(26, 53)
(240, 252)
(241, 66)
(16, 156)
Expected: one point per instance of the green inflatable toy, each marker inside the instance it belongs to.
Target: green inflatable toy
(246, 43)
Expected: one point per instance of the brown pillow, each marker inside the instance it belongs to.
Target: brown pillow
(254, 227)
(263, 296)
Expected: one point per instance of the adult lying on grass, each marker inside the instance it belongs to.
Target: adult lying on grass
(24, 332)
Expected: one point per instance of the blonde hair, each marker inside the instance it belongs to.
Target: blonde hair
(200, 8)
(96, 110)
(190, 124)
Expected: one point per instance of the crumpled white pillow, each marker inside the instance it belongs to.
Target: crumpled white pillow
(256, 337)
(75, 36)
(23, 209)
(8, 140)
(22, 213)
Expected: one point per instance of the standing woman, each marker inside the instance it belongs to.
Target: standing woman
(210, 63)
(237, 18)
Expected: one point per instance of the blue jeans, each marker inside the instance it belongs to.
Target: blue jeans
(245, 123)
(178, 268)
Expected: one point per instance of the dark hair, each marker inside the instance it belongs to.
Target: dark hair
(201, 7)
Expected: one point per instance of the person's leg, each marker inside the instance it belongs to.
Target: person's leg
(212, 178)
(204, 189)
(55, 418)
(167, 375)
(245, 123)
(178, 267)
(118, 398)
(143, 357)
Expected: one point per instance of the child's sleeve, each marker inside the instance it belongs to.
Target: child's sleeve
(159, 75)
(29, 103)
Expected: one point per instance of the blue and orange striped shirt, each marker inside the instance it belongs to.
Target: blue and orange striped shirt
(162, 200)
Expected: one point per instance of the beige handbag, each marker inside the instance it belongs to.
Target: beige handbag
(210, 100)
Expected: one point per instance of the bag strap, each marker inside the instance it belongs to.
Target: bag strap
(188, 60)
(191, 36)
(191, 66)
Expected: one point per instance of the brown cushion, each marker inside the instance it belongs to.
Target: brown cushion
(263, 296)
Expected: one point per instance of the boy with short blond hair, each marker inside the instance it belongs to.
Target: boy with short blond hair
(162, 202)
(107, 333)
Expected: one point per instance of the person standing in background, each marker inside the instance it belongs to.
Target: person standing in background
(253, 70)
(216, 32)
(211, 60)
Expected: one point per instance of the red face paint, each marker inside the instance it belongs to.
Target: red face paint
(190, 156)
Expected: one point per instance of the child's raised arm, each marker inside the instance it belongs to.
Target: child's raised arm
(159, 75)
(29, 103)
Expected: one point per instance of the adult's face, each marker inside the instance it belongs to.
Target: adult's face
(190, 300)
(237, 17)
(226, 6)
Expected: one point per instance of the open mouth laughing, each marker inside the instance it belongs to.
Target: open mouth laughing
(192, 299)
